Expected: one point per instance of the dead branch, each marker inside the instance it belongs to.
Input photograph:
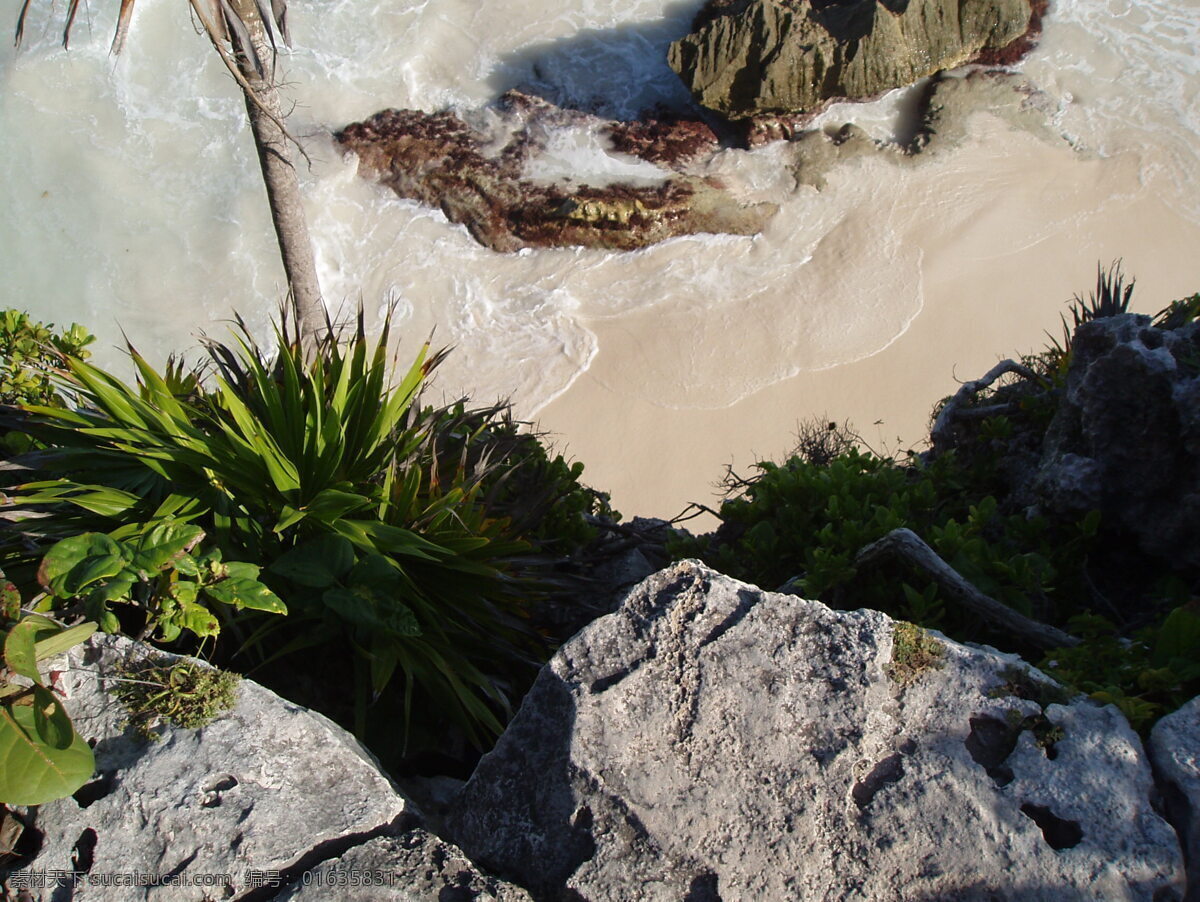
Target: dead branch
(967, 392)
(910, 548)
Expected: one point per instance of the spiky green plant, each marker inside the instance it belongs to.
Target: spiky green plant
(284, 458)
(1111, 297)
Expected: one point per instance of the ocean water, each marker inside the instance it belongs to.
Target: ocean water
(134, 205)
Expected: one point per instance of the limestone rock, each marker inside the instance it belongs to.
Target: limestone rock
(1175, 750)
(479, 176)
(713, 741)
(747, 58)
(265, 788)
(413, 867)
(1126, 436)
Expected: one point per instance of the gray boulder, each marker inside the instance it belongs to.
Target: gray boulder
(713, 741)
(748, 58)
(1174, 748)
(257, 799)
(413, 867)
(1126, 436)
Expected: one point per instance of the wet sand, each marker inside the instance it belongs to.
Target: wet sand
(991, 286)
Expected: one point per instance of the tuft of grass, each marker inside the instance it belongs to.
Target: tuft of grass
(184, 693)
(914, 652)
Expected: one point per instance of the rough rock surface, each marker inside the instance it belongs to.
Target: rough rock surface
(1174, 748)
(413, 867)
(264, 792)
(478, 176)
(747, 58)
(1126, 437)
(713, 741)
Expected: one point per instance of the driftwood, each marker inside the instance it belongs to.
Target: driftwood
(967, 392)
(909, 547)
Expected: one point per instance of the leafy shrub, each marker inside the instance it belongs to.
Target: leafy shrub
(287, 461)
(29, 352)
(1149, 675)
(155, 572)
(803, 524)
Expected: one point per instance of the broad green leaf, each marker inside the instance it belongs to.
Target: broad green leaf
(118, 588)
(50, 720)
(288, 517)
(197, 618)
(74, 563)
(163, 543)
(317, 564)
(246, 593)
(366, 608)
(186, 564)
(185, 592)
(242, 570)
(34, 772)
(378, 573)
(20, 649)
(330, 504)
(1179, 635)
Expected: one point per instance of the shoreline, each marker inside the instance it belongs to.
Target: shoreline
(979, 306)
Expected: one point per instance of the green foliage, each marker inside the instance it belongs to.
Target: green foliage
(42, 757)
(1149, 675)
(155, 571)
(543, 496)
(806, 523)
(29, 352)
(284, 457)
(185, 693)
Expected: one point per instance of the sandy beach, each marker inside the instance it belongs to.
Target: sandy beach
(991, 286)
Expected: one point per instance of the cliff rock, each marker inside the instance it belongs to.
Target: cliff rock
(748, 58)
(713, 741)
(1125, 439)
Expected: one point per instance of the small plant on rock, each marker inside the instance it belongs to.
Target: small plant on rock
(184, 693)
(914, 652)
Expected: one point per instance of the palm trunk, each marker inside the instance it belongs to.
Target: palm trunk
(279, 173)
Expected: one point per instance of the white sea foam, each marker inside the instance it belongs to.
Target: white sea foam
(134, 196)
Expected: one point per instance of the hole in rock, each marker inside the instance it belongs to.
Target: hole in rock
(889, 770)
(1059, 833)
(222, 783)
(84, 852)
(990, 743)
(703, 888)
(90, 793)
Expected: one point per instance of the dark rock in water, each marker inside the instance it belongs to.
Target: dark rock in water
(667, 140)
(749, 58)
(713, 741)
(479, 179)
(1126, 437)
